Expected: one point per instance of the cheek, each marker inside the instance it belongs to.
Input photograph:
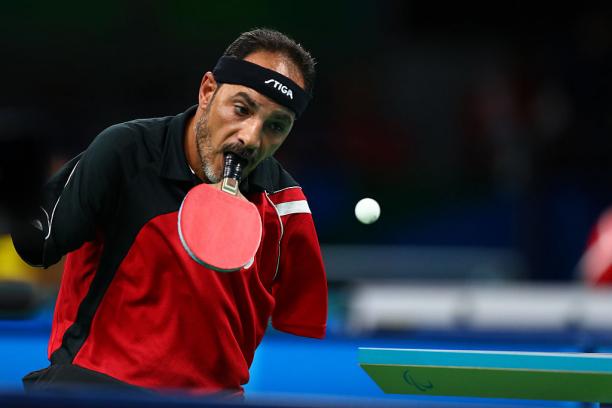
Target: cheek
(275, 144)
(273, 149)
(221, 123)
(215, 128)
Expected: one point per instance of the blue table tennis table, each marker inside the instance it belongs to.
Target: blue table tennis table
(292, 370)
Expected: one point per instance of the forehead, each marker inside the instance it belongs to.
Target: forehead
(277, 62)
(264, 104)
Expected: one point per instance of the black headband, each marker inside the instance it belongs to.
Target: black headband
(275, 86)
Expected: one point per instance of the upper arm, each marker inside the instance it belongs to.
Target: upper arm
(300, 288)
(80, 198)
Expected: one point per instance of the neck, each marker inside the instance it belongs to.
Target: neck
(191, 147)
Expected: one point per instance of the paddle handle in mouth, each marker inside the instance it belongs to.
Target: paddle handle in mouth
(232, 173)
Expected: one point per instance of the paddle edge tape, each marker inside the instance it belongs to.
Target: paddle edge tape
(491, 383)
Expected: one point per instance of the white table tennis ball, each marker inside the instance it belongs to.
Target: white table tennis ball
(367, 210)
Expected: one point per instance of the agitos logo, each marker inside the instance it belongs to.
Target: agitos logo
(280, 87)
(421, 386)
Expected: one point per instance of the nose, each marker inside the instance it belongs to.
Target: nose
(251, 133)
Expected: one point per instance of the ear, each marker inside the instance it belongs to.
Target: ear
(207, 89)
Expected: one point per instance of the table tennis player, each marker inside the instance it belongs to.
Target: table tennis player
(134, 310)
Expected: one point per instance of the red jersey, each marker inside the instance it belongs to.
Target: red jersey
(133, 305)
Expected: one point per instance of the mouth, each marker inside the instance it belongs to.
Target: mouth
(234, 166)
(244, 156)
(236, 158)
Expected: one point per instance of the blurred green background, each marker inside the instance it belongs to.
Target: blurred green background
(475, 126)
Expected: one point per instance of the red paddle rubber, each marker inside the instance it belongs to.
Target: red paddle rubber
(218, 230)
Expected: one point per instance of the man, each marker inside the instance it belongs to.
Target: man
(133, 308)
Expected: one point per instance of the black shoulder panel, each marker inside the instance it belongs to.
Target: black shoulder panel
(270, 176)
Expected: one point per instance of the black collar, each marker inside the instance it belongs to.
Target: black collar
(174, 164)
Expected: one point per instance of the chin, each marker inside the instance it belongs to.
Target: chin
(213, 174)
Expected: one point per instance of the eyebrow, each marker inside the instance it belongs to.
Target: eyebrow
(255, 106)
(249, 101)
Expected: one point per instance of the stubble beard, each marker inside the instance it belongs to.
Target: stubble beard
(205, 150)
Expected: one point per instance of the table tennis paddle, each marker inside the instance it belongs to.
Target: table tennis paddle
(217, 228)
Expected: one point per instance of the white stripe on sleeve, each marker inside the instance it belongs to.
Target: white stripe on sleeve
(293, 207)
(58, 200)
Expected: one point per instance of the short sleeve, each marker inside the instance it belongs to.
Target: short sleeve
(300, 288)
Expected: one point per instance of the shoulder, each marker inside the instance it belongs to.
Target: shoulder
(271, 177)
(129, 146)
(139, 132)
(284, 192)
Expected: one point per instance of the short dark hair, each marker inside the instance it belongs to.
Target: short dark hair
(264, 39)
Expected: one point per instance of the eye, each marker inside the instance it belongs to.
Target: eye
(241, 110)
(277, 127)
